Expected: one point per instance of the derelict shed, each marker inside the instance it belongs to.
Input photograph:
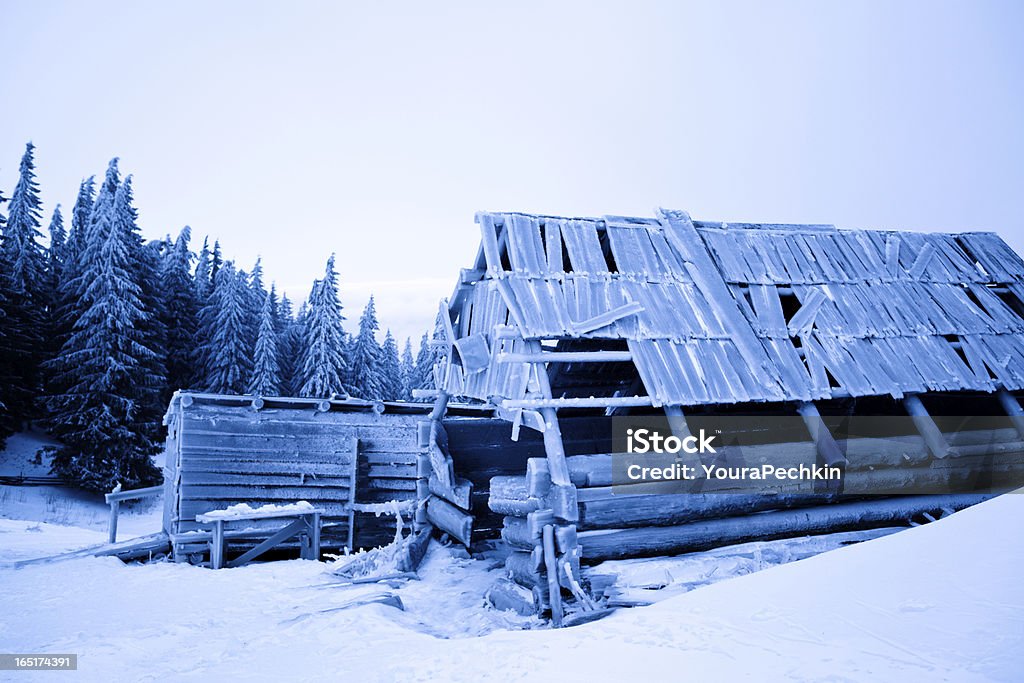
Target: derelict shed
(561, 319)
(349, 458)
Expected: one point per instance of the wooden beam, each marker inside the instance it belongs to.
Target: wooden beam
(553, 446)
(594, 402)
(828, 449)
(551, 565)
(607, 318)
(354, 448)
(567, 357)
(1012, 407)
(450, 519)
(872, 513)
(926, 426)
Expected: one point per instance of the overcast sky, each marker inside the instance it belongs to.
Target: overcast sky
(376, 130)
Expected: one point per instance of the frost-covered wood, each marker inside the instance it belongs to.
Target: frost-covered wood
(669, 540)
(450, 519)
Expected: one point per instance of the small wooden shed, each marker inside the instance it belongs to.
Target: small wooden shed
(343, 456)
(562, 323)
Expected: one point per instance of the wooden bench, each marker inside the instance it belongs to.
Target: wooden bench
(305, 524)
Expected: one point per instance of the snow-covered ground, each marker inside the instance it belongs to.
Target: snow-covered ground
(59, 506)
(944, 601)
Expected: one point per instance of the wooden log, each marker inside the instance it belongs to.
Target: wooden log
(614, 511)
(538, 478)
(448, 518)
(1013, 408)
(520, 568)
(516, 532)
(831, 455)
(458, 495)
(554, 589)
(567, 357)
(865, 514)
(595, 402)
(937, 443)
(563, 502)
(862, 453)
(505, 595)
(112, 530)
(414, 550)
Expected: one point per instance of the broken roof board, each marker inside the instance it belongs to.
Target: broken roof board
(875, 312)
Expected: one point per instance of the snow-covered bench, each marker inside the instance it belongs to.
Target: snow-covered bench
(306, 526)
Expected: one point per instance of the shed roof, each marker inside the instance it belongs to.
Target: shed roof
(729, 313)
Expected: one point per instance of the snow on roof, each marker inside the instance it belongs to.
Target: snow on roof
(730, 313)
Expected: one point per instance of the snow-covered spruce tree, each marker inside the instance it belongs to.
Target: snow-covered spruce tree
(56, 257)
(228, 357)
(79, 226)
(146, 269)
(216, 261)
(291, 347)
(256, 293)
(57, 254)
(265, 380)
(423, 378)
(104, 415)
(24, 281)
(391, 370)
(180, 314)
(70, 305)
(365, 357)
(322, 370)
(203, 280)
(5, 381)
(408, 370)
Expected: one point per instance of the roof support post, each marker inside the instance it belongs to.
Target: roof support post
(829, 453)
(926, 426)
(1012, 407)
(553, 445)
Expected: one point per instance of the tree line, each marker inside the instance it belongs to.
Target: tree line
(98, 328)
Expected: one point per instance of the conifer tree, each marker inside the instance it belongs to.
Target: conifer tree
(25, 256)
(391, 370)
(290, 346)
(79, 226)
(265, 380)
(424, 376)
(322, 370)
(203, 278)
(7, 424)
(216, 261)
(180, 314)
(24, 282)
(57, 253)
(227, 354)
(103, 414)
(365, 358)
(408, 370)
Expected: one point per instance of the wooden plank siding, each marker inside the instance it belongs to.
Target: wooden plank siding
(219, 454)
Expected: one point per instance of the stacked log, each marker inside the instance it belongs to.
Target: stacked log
(445, 500)
(632, 521)
(529, 504)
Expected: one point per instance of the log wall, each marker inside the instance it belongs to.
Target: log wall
(615, 523)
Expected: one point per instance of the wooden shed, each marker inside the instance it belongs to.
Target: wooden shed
(343, 456)
(562, 324)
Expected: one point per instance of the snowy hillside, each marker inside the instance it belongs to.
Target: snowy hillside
(937, 602)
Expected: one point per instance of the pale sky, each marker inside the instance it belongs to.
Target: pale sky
(377, 130)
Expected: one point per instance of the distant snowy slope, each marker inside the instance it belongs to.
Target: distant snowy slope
(944, 601)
